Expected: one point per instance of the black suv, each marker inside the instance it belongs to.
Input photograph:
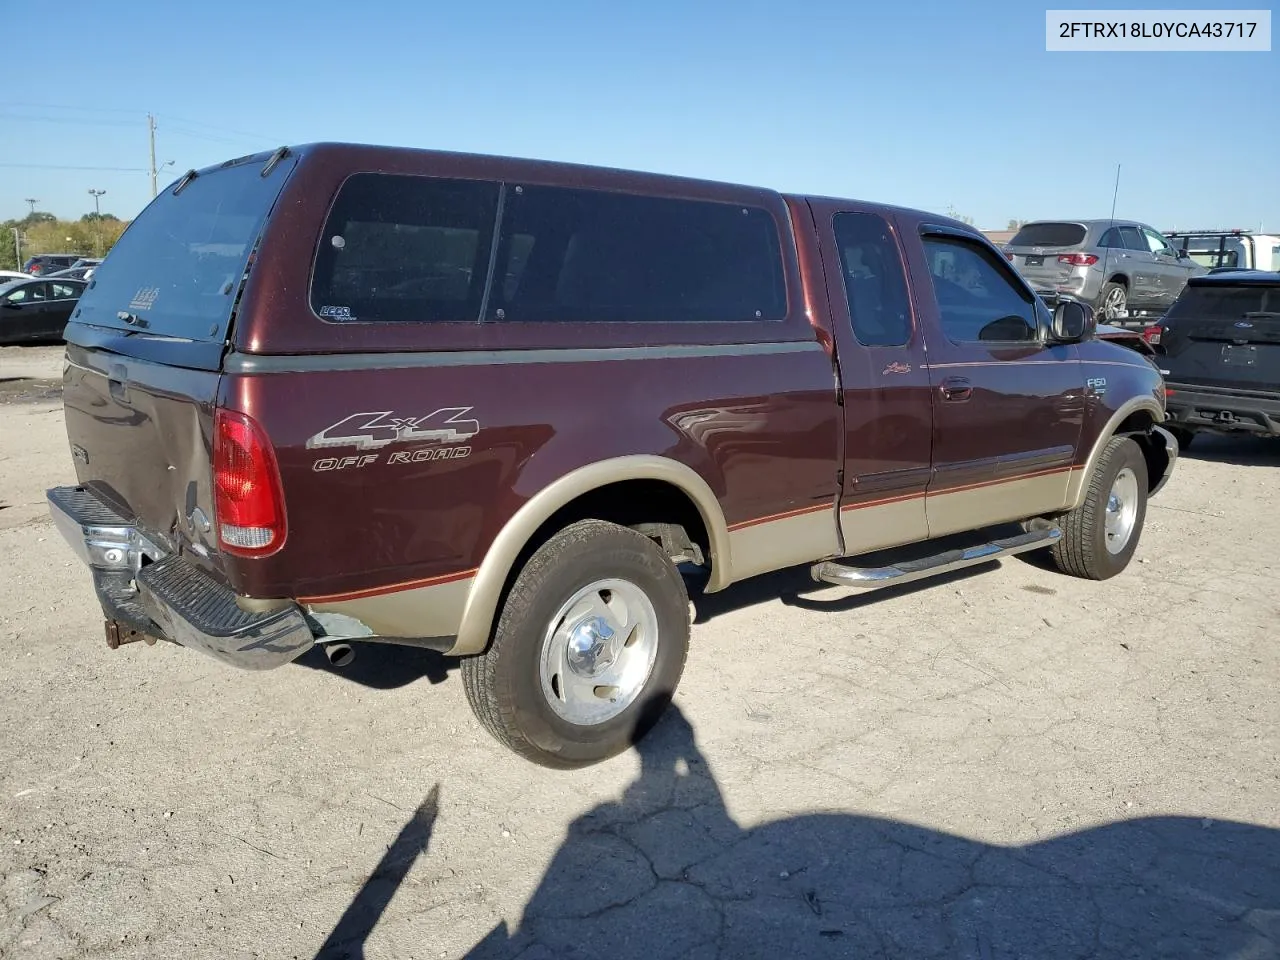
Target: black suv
(45, 263)
(1219, 350)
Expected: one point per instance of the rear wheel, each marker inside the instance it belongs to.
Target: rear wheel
(1113, 300)
(589, 647)
(1100, 536)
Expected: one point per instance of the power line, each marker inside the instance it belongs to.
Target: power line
(69, 120)
(57, 106)
(59, 166)
(216, 128)
(192, 125)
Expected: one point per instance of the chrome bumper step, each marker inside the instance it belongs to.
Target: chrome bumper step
(874, 578)
(168, 598)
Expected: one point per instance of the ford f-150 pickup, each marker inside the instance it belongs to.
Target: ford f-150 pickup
(516, 411)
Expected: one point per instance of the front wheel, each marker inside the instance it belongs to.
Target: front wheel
(1100, 536)
(589, 647)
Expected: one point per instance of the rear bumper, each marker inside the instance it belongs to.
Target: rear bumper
(166, 597)
(1222, 409)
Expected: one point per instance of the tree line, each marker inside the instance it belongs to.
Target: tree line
(91, 236)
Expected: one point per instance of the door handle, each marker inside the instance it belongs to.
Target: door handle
(956, 389)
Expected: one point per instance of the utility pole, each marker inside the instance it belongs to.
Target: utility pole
(151, 130)
(33, 201)
(17, 247)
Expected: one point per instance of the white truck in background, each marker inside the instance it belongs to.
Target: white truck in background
(1229, 249)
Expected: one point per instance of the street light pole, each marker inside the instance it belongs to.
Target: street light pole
(151, 131)
(97, 221)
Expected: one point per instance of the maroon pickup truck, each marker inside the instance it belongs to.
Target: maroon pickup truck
(517, 411)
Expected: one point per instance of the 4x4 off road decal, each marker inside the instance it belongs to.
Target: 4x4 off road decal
(374, 430)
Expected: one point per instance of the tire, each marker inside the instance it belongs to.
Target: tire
(1087, 549)
(536, 689)
(1112, 297)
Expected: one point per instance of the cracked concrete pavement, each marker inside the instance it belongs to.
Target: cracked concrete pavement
(1008, 763)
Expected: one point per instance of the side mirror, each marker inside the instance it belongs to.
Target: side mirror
(1073, 321)
(11, 305)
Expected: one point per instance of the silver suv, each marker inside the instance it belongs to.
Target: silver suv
(1127, 270)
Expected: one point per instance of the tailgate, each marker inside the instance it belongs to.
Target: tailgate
(1225, 336)
(140, 435)
(1043, 269)
(145, 345)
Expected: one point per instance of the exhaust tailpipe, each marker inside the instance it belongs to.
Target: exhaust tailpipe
(339, 654)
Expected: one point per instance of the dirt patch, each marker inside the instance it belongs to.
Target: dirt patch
(21, 390)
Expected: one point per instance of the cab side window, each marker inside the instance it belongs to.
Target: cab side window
(875, 283)
(976, 301)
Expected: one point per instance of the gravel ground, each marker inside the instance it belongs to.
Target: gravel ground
(1009, 763)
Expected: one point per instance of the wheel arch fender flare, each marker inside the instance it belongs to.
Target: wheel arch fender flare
(481, 606)
(1136, 408)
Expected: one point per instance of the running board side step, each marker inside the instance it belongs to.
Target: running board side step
(873, 578)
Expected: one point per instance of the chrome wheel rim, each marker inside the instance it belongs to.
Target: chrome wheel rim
(598, 652)
(1122, 510)
(1114, 303)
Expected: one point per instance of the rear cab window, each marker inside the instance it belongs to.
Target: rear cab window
(179, 265)
(1049, 234)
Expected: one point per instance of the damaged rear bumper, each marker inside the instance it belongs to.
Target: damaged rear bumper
(156, 595)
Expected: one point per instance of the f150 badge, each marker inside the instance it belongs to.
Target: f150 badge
(377, 429)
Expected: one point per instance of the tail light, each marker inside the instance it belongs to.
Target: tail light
(248, 501)
(1152, 333)
(1078, 259)
(1009, 256)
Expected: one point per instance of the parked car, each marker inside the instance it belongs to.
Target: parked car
(1219, 350)
(504, 408)
(33, 310)
(1125, 269)
(1229, 249)
(9, 276)
(44, 263)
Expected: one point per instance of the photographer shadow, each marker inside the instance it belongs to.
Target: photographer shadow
(665, 872)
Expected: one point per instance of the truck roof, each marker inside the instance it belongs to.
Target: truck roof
(563, 171)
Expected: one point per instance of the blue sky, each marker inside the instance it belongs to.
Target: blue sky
(925, 104)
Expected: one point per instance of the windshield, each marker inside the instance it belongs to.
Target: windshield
(1048, 234)
(179, 265)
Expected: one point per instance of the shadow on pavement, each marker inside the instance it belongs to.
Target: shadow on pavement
(665, 872)
(347, 940)
(384, 666)
(1242, 451)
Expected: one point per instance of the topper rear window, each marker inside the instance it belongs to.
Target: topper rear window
(178, 267)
